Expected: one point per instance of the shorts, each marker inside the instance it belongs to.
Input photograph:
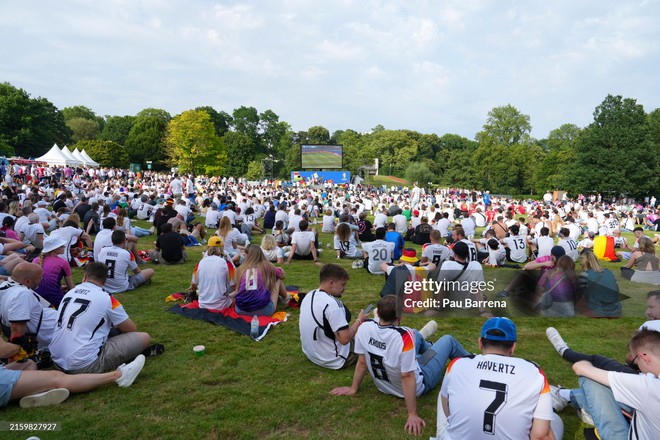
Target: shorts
(8, 379)
(116, 351)
(135, 280)
(267, 310)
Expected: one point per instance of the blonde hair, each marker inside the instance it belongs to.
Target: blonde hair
(646, 245)
(268, 242)
(255, 259)
(588, 261)
(225, 227)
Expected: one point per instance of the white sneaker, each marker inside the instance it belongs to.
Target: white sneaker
(558, 402)
(50, 397)
(429, 329)
(585, 417)
(556, 340)
(129, 372)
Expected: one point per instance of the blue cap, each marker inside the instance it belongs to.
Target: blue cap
(504, 325)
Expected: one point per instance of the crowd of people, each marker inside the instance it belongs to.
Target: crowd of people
(58, 218)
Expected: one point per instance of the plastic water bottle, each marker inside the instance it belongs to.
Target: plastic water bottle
(254, 327)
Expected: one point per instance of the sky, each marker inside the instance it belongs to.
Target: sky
(430, 66)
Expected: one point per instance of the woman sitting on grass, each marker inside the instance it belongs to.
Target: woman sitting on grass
(271, 251)
(598, 291)
(345, 242)
(557, 289)
(55, 269)
(124, 224)
(229, 236)
(646, 262)
(258, 285)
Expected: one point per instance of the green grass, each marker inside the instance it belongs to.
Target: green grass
(386, 180)
(269, 390)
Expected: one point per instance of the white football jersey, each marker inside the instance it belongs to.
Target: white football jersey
(119, 262)
(517, 248)
(494, 397)
(379, 251)
(389, 351)
(85, 317)
(436, 253)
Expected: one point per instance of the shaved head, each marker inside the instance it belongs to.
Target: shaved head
(28, 274)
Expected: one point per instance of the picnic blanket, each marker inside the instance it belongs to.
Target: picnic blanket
(228, 317)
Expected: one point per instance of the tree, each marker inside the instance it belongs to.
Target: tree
(271, 130)
(246, 121)
(116, 128)
(394, 148)
(418, 172)
(550, 172)
(254, 171)
(616, 154)
(106, 153)
(192, 143)
(80, 111)
(240, 152)
(28, 127)
(146, 139)
(318, 135)
(83, 129)
(505, 126)
(221, 120)
(455, 161)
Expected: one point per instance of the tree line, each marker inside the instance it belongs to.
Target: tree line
(618, 153)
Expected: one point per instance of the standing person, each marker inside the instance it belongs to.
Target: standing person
(495, 395)
(399, 360)
(325, 333)
(81, 341)
(54, 270)
(119, 261)
(258, 285)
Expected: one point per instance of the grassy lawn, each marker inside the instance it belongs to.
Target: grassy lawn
(269, 390)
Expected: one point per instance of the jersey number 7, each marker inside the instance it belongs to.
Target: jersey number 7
(495, 406)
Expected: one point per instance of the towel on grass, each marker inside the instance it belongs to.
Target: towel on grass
(229, 318)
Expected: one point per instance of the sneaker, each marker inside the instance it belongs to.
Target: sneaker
(556, 340)
(154, 350)
(152, 229)
(130, 371)
(320, 251)
(502, 294)
(50, 397)
(585, 417)
(558, 402)
(429, 329)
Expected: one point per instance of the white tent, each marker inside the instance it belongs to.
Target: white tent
(77, 155)
(88, 160)
(54, 157)
(71, 158)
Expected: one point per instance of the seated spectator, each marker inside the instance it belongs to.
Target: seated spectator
(378, 252)
(366, 232)
(398, 359)
(54, 271)
(345, 243)
(393, 236)
(230, 236)
(325, 333)
(8, 228)
(271, 251)
(213, 277)
(435, 252)
(281, 237)
(523, 285)
(258, 285)
(598, 292)
(422, 232)
(556, 289)
(32, 233)
(303, 245)
(170, 247)
(43, 388)
(646, 263)
(72, 234)
(496, 253)
(119, 262)
(541, 246)
(515, 245)
(124, 223)
(269, 218)
(608, 389)
(82, 342)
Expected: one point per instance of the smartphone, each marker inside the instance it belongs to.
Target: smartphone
(368, 309)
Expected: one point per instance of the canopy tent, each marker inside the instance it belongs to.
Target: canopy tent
(88, 160)
(54, 157)
(72, 160)
(77, 155)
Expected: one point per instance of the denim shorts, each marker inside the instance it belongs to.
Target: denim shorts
(8, 379)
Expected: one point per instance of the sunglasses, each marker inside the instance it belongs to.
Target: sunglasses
(632, 363)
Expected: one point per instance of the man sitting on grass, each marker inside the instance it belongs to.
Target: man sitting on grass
(325, 333)
(399, 360)
(82, 341)
(119, 261)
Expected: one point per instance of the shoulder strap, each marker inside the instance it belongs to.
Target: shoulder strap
(460, 274)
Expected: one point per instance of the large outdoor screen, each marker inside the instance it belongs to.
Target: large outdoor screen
(318, 157)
